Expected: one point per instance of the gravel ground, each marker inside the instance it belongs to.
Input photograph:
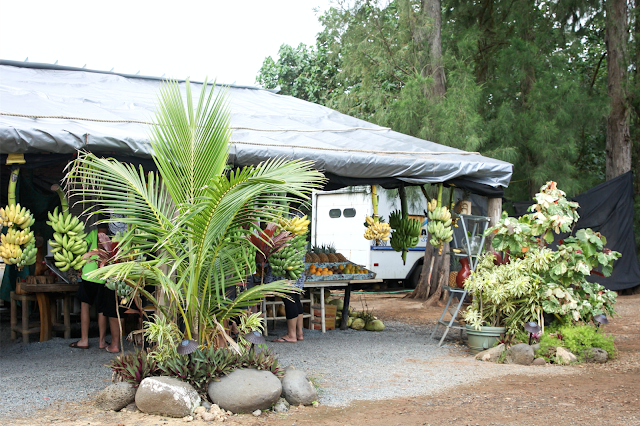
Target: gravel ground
(346, 365)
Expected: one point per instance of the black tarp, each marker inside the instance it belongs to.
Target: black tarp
(608, 209)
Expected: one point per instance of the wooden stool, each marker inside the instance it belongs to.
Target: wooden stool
(26, 328)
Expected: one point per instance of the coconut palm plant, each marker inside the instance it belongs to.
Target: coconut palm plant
(192, 219)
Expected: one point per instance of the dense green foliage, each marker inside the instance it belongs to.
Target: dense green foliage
(576, 339)
(526, 81)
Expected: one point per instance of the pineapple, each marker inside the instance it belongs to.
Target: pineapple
(323, 257)
(332, 258)
(341, 257)
(452, 278)
(308, 258)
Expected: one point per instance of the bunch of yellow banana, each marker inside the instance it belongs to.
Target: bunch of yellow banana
(431, 205)
(16, 237)
(68, 244)
(16, 215)
(17, 246)
(377, 230)
(296, 225)
(439, 226)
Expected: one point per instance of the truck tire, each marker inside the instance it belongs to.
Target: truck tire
(414, 277)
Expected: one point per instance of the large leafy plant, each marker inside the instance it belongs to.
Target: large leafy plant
(186, 217)
(537, 279)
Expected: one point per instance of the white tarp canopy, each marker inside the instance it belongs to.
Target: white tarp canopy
(53, 109)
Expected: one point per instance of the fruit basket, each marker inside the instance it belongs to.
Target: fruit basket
(336, 271)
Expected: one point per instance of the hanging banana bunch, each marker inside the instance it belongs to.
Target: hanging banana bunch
(68, 244)
(439, 226)
(288, 262)
(406, 233)
(296, 225)
(17, 246)
(376, 230)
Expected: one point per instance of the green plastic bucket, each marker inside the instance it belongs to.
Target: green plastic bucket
(485, 338)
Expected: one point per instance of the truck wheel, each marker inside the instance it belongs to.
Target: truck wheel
(414, 278)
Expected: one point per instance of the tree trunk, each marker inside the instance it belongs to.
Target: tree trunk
(422, 289)
(435, 68)
(618, 151)
(444, 261)
(494, 211)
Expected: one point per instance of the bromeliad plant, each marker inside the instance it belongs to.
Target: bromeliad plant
(190, 219)
(534, 279)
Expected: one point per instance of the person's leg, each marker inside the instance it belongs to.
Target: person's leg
(299, 328)
(114, 326)
(292, 314)
(85, 319)
(102, 328)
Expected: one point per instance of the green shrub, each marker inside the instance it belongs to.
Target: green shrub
(575, 338)
(580, 337)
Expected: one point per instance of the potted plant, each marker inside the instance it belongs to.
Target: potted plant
(531, 278)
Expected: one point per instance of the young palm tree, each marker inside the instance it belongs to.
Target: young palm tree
(190, 219)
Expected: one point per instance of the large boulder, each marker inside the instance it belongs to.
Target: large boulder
(521, 354)
(563, 356)
(115, 397)
(596, 355)
(167, 396)
(246, 390)
(297, 388)
(491, 354)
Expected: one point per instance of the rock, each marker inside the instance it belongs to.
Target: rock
(208, 417)
(199, 410)
(187, 419)
(491, 354)
(596, 355)
(282, 406)
(539, 361)
(563, 356)
(167, 396)
(115, 397)
(206, 404)
(257, 413)
(131, 408)
(297, 388)
(521, 354)
(245, 391)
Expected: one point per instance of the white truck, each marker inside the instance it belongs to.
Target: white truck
(338, 219)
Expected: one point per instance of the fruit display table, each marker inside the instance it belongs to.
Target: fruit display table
(48, 311)
(319, 286)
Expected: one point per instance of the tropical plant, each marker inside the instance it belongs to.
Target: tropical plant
(532, 278)
(191, 218)
(246, 324)
(134, 367)
(164, 336)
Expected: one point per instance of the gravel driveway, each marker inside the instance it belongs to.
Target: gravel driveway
(347, 365)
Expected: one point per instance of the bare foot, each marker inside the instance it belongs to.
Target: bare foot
(113, 350)
(285, 339)
(103, 344)
(300, 337)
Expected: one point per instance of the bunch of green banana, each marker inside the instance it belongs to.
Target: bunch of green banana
(289, 261)
(296, 225)
(17, 246)
(68, 244)
(16, 215)
(376, 230)
(28, 255)
(406, 233)
(439, 226)
(121, 288)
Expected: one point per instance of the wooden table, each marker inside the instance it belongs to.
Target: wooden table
(347, 296)
(48, 316)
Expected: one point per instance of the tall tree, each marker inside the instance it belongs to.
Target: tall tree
(618, 135)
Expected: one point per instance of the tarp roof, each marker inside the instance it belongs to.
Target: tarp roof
(54, 109)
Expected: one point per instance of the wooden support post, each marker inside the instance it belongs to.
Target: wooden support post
(494, 211)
